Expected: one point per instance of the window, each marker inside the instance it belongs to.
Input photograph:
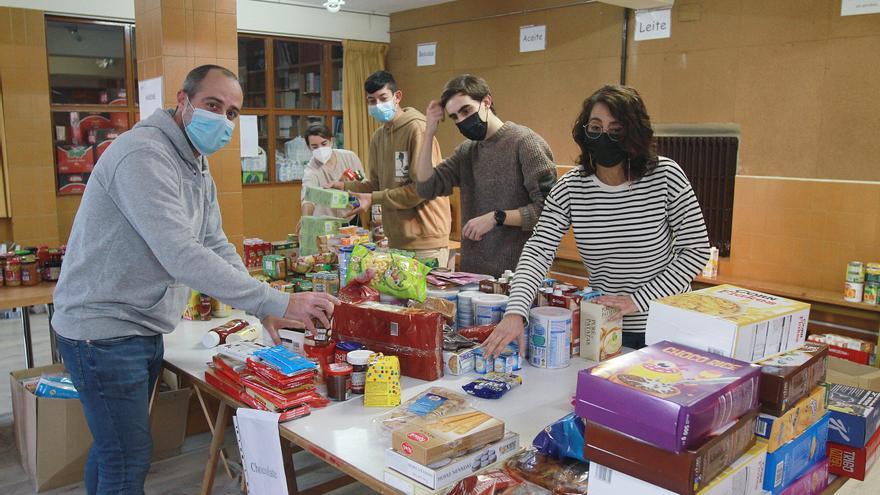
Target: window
(288, 84)
(92, 92)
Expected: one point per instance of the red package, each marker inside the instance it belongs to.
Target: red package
(278, 400)
(853, 462)
(573, 302)
(414, 336)
(495, 482)
(355, 292)
(479, 333)
(279, 379)
(854, 355)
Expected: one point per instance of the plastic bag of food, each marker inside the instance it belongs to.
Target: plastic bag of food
(395, 275)
(493, 385)
(564, 439)
(558, 477)
(56, 387)
(357, 292)
(478, 333)
(495, 482)
(442, 306)
(434, 403)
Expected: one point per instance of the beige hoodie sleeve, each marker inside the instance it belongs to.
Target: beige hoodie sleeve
(372, 182)
(406, 196)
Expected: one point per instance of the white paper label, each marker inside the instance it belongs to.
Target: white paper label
(859, 7)
(247, 125)
(149, 96)
(653, 24)
(426, 54)
(532, 38)
(260, 446)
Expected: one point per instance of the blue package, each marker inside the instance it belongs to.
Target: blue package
(794, 458)
(855, 415)
(284, 360)
(426, 404)
(56, 387)
(564, 439)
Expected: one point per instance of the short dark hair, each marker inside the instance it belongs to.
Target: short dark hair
(193, 81)
(317, 129)
(379, 80)
(468, 85)
(625, 105)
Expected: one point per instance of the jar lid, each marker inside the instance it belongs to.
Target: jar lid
(339, 369)
(360, 357)
(29, 259)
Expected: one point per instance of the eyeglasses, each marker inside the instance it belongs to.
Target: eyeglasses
(615, 133)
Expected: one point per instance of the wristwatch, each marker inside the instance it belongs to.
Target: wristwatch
(500, 217)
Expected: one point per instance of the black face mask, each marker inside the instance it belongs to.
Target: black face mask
(605, 152)
(473, 127)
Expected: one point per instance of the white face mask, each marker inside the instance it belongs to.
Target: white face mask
(322, 154)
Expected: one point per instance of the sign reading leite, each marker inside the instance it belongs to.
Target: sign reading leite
(653, 24)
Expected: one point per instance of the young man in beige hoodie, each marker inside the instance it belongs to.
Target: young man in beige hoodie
(410, 222)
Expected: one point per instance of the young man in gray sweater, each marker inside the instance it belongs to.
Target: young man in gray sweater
(504, 170)
(147, 230)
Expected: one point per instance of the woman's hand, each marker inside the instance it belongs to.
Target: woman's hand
(477, 227)
(626, 304)
(509, 329)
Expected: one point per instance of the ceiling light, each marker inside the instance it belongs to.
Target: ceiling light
(333, 6)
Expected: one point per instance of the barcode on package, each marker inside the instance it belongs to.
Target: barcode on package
(601, 473)
(739, 485)
(761, 428)
(779, 472)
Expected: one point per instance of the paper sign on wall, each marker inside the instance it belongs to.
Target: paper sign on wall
(260, 445)
(859, 7)
(426, 54)
(149, 96)
(532, 38)
(248, 135)
(653, 24)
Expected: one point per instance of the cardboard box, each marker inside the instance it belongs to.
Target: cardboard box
(72, 183)
(743, 477)
(778, 431)
(812, 482)
(460, 362)
(787, 378)
(331, 198)
(601, 331)
(853, 462)
(458, 468)
(855, 415)
(853, 355)
(686, 472)
(431, 441)
(53, 438)
(727, 320)
(791, 460)
(690, 392)
(75, 159)
(855, 375)
(572, 302)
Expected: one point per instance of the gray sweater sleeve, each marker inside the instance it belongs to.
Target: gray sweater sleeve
(146, 188)
(215, 238)
(446, 174)
(539, 175)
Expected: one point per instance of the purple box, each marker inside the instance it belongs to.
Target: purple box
(668, 395)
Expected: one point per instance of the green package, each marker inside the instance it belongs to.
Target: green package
(395, 275)
(311, 227)
(331, 198)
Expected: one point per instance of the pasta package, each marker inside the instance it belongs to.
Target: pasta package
(430, 440)
(434, 403)
(390, 273)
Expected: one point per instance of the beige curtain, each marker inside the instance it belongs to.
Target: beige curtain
(359, 60)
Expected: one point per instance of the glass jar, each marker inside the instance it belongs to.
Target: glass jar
(12, 273)
(30, 274)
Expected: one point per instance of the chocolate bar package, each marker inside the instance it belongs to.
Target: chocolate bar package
(793, 459)
(787, 378)
(855, 415)
(780, 430)
(853, 462)
(686, 472)
(413, 335)
(690, 392)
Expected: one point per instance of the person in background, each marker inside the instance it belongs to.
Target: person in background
(504, 170)
(326, 167)
(151, 211)
(637, 224)
(411, 223)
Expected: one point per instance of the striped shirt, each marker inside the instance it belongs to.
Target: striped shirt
(645, 238)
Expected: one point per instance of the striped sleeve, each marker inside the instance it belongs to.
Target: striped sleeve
(690, 242)
(539, 251)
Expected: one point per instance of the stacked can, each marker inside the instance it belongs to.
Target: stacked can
(344, 256)
(855, 281)
(872, 284)
(465, 309)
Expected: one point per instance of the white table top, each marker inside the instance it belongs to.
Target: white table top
(346, 430)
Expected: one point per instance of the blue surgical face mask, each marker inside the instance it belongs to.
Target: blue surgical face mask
(383, 111)
(208, 131)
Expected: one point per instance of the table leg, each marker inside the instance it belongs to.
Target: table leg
(53, 342)
(216, 445)
(289, 470)
(28, 343)
(211, 427)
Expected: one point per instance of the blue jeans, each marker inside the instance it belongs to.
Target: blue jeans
(115, 378)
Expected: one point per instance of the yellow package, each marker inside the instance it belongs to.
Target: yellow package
(780, 430)
(382, 387)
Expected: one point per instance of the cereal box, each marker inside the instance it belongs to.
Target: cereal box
(731, 321)
(812, 482)
(690, 392)
(855, 415)
(782, 429)
(601, 331)
(853, 462)
(791, 460)
(788, 377)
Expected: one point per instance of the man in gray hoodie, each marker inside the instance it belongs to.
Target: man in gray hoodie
(147, 230)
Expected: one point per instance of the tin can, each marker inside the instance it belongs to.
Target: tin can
(855, 272)
(275, 266)
(872, 285)
(504, 363)
(854, 291)
(481, 364)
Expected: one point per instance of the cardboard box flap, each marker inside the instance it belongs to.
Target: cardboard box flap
(735, 304)
(853, 374)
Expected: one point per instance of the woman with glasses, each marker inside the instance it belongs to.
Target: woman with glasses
(637, 224)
